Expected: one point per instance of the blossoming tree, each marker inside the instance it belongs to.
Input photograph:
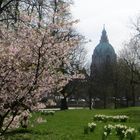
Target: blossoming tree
(32, 58)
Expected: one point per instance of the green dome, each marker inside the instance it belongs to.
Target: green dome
(104, 48)
(103, 53)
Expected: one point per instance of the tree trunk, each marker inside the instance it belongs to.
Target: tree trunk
(115, 97)
(90, 100)
(132, 86)
(90, 95)
(127, 98)
(115, 103)
(127, 102)
(1, 124)
(133, 95)
(104, 100)
(64, 105)
(116, 92)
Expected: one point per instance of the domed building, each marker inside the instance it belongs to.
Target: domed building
(103, 55)
(102, 72)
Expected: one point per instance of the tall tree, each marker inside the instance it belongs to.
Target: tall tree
(33, 57)
(131, 56)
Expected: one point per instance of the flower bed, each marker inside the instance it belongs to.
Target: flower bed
(105, 118)
(47, 112)
(89, 128)
(122, 131)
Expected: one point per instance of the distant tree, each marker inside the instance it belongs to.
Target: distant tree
(131, 56)
(121, 83)
(72, 88)
(130, 59)
(74, 70)
(102, 82)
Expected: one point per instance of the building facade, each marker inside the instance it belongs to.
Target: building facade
(103, 55)
(102, 72)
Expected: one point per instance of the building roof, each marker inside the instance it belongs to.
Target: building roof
(104, 47)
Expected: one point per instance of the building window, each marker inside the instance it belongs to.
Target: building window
(108, 60)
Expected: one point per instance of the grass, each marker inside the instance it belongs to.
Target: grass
(69, 125)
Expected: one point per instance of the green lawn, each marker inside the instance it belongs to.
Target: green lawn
(69, 125)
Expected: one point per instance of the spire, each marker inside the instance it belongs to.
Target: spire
(104, 38)
(104, 27)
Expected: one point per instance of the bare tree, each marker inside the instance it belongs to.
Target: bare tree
(131, 56)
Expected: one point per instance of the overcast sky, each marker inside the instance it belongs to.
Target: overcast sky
(115, 14)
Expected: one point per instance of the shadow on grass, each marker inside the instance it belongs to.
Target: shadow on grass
(27, 131)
